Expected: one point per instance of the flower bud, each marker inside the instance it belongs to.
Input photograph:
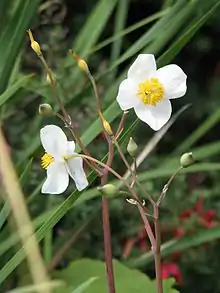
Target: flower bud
(132, 148)
(48, 80)
(45, 110)
(108, 189)
(83, 65)
(34, 45)
(187, 160)
(80, 62)
(107, 127)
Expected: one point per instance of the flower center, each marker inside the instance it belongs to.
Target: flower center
(150, 91)
(46, 160)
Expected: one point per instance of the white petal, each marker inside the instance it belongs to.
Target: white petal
(173, 80)
(70, 148)
(75, 169)
(57, 179)
(155, 116)
(143, 67)
(127, 94)
(53, 140)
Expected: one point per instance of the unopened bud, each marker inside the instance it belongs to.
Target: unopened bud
(106, 125)
(81, 63)
(34, 45)
(108, 189)
(83, 66)
(132, 148)
(48, 78)
(187, 160)
(45, 110)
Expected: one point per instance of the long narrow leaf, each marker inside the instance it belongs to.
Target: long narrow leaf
(13, 37)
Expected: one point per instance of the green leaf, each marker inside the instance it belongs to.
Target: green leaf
(41, 232)
(42, 287)
(168, 285)
(177, 15)
(129, 30)
(97, 20)
(4, 11)
(126, 280)
(85, 285)
(120, 20)
(8, 94)
(14, 238)
(167, 171)
(5, 211)
(13, 37)
(204, 128)
(25, 173)
(184, 39)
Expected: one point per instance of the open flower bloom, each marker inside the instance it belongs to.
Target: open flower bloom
(60, 161)
(149, 90)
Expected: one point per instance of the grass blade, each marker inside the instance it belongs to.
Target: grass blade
(209, 123)
(8, 94)
(87, 37)
(120, 21)
(13, 37)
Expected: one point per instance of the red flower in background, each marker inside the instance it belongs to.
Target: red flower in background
(209, 217)
(171, 269)
(205, 218)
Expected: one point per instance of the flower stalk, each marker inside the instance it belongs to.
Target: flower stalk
(104, 177)
(156, 250)
(106, 223)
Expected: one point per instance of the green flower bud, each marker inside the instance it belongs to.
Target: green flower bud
(187, 160)
(108, 189)
(45, 110)
(132, 148)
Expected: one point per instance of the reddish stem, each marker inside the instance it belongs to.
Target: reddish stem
(107, 244)
(147, 226)
(121, 125)
(106, 224)
(156, 250)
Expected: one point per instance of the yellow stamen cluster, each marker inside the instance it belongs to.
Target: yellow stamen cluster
(46, 160)
(150, 91)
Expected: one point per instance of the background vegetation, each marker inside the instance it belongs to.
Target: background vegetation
(109, 35)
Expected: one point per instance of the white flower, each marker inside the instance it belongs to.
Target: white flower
(60, 162)
(149, 90)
